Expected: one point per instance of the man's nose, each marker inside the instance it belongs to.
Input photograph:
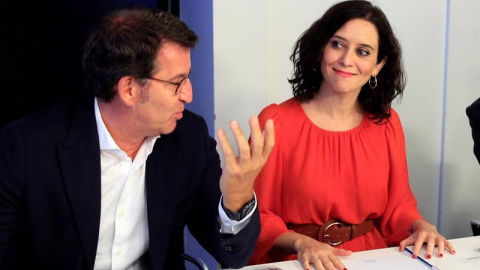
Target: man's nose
(186, 93)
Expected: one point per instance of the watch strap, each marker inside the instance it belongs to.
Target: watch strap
(244, 211)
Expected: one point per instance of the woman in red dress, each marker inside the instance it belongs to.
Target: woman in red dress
(337, 179)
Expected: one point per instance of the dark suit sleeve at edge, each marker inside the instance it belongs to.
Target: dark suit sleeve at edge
(10, 194)
(243, 243)
(229, 250)
(473, 113)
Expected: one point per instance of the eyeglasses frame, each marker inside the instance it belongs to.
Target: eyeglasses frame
(177, 84)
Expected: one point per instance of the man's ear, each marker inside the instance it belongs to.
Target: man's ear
(126, 89)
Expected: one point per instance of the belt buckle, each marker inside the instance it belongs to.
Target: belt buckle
(325, 236)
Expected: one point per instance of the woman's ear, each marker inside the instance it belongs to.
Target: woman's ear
(379, 67)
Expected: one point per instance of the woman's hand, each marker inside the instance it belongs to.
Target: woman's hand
(310, 251)
(424, 232)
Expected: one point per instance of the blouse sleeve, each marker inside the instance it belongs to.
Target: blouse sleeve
(268, 189)
(401, 209)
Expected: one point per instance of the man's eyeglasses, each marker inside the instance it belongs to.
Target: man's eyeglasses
(179, 85)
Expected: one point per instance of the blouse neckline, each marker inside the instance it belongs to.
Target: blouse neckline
(304, 114)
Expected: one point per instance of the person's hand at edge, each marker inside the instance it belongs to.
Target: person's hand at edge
(311, 251)
(239, 173)
(424, 232)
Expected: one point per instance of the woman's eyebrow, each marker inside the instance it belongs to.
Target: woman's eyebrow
(344, 39)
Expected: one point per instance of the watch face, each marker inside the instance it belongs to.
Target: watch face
(247, 208)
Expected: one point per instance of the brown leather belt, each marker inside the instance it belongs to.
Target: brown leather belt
(332, 232)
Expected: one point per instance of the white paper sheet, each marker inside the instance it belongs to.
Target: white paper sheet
(388, 261)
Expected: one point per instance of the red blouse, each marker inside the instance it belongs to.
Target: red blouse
(314, 175)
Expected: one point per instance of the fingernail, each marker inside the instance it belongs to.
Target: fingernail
(453, 252)
(414, 256)
(345, 268)
(429, 256)
(440, 255)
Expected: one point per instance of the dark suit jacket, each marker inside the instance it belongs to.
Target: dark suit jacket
(50, 193)
(473, 113)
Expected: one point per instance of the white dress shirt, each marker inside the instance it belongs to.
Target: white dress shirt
(123, 236)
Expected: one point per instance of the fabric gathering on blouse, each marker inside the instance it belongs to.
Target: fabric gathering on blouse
(315, 175)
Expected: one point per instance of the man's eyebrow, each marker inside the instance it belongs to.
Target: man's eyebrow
(179, 76)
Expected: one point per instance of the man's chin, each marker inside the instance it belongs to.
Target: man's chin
(168, 130)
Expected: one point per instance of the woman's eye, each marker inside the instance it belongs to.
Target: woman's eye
(363, 52)
(336, 44)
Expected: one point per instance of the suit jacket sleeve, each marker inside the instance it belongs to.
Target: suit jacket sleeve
(228, 249)
(10, 194)
(473, 113)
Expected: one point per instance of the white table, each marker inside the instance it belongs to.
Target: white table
(467, 257)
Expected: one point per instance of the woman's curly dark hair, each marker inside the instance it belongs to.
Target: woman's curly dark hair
(308, 54)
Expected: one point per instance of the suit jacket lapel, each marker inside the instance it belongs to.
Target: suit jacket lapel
(80, 165)
(161, 173)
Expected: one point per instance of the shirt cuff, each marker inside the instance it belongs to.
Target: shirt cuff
(230, 226)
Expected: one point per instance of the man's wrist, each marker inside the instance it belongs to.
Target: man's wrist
(242, 213)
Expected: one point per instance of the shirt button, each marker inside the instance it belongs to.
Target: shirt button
(122, 213)
(119, 252)
(227, 248)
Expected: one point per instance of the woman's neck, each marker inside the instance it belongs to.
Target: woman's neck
(334, 112)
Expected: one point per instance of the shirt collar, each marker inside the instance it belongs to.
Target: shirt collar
(106, 140)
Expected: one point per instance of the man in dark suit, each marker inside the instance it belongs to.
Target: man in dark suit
(473, 113)
(109, 182)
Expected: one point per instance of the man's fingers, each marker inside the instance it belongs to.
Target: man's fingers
(251, 155)
(269, 138)
(242, 143)
(227, 150)
(256, 138)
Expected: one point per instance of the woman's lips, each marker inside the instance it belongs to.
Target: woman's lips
(343, 73)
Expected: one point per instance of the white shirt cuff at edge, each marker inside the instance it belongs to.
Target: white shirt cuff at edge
(232, 226)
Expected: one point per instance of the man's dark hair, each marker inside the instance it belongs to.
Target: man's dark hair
(126, 44)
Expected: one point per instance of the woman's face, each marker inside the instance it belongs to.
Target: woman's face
(350, 58)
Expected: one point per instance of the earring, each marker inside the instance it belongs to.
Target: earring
(373, 82)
